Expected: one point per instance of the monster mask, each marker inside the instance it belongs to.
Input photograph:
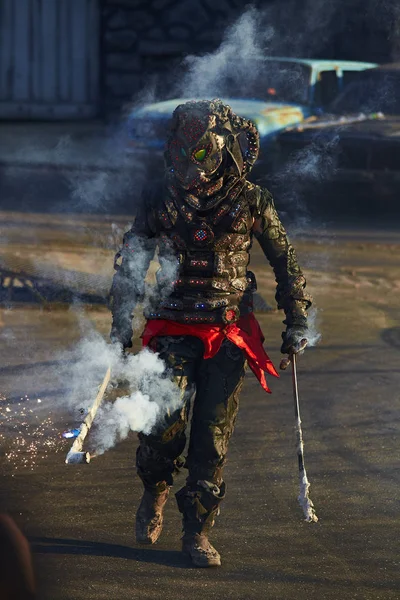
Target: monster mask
(209, 143)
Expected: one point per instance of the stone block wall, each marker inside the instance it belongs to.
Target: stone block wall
(141, 38)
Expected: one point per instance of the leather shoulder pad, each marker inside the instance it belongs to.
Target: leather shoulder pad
(252, 193)
(264, 201)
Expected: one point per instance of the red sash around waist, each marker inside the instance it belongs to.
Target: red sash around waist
(246, 334)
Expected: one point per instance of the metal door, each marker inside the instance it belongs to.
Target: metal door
(49, 58)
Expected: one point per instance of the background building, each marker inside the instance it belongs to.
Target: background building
(79, 59)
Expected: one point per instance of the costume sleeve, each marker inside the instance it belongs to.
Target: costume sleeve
(271, 235)
(131, 264)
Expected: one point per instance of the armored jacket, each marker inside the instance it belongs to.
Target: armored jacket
(204, 257)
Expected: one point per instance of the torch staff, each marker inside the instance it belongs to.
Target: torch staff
(303, 497)
(76, 454)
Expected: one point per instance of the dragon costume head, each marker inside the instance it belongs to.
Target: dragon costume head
(208, 146)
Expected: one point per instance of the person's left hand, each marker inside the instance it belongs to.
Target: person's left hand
(294, 340)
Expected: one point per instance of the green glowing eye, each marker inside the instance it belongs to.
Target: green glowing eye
(183, 152)
(200, 154)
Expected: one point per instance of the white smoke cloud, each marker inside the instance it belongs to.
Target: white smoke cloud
(115, 421)
(97, 168)
(288, 28)
(113, 175)
(152, 395)
(314, 335)
(228, 66)
(314, 163)
(301, 173)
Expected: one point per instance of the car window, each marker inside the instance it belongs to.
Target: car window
(350, 76)
(326, 88)
(372, 93)
(269, 80)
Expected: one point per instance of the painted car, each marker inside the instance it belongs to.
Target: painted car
(359, 138)
(284, 91)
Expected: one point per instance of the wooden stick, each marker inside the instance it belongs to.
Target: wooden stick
(76, 448)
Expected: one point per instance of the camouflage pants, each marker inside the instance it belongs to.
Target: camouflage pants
(213, 385)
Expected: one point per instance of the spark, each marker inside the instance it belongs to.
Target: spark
(71, 433)
(28, 438)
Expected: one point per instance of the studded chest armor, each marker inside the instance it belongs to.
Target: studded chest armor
(212, 284)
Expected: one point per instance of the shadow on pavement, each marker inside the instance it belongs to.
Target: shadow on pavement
(44, 293)
(391, 337)
(13, 369)
(170, 558)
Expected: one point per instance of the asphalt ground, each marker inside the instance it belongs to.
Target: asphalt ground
(80, 519)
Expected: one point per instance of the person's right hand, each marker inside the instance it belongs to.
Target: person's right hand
(123, 337)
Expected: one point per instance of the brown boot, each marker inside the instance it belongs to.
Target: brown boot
(199, 504)
(200, 551)
(149, 516)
